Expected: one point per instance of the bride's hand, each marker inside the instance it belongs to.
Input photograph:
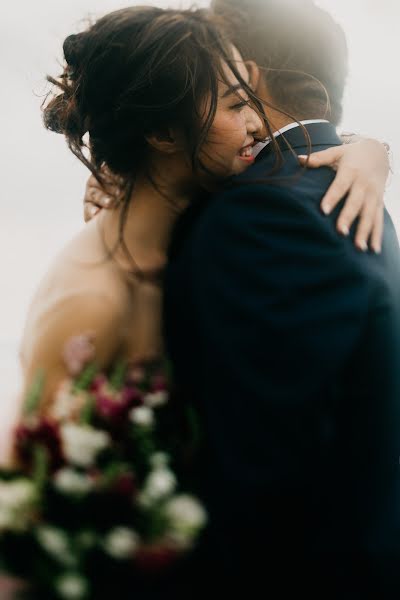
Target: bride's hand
(98, 196)
(362, 172)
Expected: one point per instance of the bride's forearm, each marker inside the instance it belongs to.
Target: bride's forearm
(362, 166)
(349, 137)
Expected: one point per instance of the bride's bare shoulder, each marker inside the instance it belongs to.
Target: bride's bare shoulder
(79, 276)
(82, 292)
(98, 308)
(98, 315)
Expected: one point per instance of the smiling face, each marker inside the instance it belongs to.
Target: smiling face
(227, 150)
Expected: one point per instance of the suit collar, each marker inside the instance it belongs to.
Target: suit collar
(321, 134)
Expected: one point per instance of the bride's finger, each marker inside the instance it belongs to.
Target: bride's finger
(377, 232)
(351, 210)
(94, 189)
(324, 158)
(365, 225)
(340, 186)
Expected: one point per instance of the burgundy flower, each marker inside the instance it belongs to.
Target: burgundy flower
(155, 557)
(109, 408)
(41, 432)
(98, 382)
(132, 396)
(114, 405)
(125, 485)
(159, 383)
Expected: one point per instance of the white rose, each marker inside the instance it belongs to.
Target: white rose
(68, 481)
(86, 539)
(61, 408)
(156, 398)
(160, 483)
(6, 520)
(186, 516)
(121, 543)
(68, 402)
(142, 415)
(17, 503)
(72, 586)
(81, 443)
(159, 459)
(16, 493)
(55, 542)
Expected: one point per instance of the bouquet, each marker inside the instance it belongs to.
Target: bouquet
(97, 491)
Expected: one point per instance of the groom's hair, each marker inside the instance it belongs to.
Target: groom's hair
(300, 48)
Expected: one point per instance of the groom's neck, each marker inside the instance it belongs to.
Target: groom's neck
(276, 116)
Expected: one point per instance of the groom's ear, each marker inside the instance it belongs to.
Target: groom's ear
(168, 142)
(254, 74)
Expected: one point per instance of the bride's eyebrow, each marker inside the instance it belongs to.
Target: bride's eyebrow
(232, 90)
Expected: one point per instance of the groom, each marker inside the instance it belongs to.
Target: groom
(288, 340)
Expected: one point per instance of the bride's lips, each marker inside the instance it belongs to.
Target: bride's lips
(245, 153)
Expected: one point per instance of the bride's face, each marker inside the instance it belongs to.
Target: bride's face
(227, 150)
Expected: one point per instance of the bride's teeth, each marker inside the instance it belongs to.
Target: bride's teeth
(246, 151)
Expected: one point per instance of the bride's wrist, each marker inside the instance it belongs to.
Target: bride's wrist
(349, 137)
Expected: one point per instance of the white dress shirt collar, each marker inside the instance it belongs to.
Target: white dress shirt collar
(261, 145)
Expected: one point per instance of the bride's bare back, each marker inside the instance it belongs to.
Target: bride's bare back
(84, 293)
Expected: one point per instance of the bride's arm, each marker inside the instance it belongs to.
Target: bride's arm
(362, 171)
(94, 315)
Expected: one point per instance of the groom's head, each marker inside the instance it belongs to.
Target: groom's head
(301, 50)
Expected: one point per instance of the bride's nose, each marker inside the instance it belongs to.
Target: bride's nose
(254, 123)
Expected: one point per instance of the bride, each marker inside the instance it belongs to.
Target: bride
(160, 99)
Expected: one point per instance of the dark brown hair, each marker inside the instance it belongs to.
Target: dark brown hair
(300, 48)
(136, 72)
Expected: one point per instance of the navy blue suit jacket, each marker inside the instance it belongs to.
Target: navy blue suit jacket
(288, 340)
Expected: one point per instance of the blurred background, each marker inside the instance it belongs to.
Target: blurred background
(42, 184)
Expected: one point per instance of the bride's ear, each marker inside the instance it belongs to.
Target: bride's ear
(168, 142)
(254, 74)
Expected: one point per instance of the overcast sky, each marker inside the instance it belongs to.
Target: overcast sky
(42, 183)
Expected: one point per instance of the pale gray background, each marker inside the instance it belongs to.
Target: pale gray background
(42, 183)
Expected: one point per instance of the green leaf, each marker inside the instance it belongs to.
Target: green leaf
(34, 394)
(157, 524)
(194, 425)
(117, 378)
(115, 470)
(143, 439)
(169, 369)
(40, 465)
(86, 377)
(87, 412)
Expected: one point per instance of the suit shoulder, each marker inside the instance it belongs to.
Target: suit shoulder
(268, 205)
(274, 224)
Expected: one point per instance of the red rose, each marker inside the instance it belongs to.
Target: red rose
(159, 383)
(155, 557)
(125, 485)
(114, 405)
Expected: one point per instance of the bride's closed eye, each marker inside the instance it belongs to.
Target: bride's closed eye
(240, 105)
(241, 100)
